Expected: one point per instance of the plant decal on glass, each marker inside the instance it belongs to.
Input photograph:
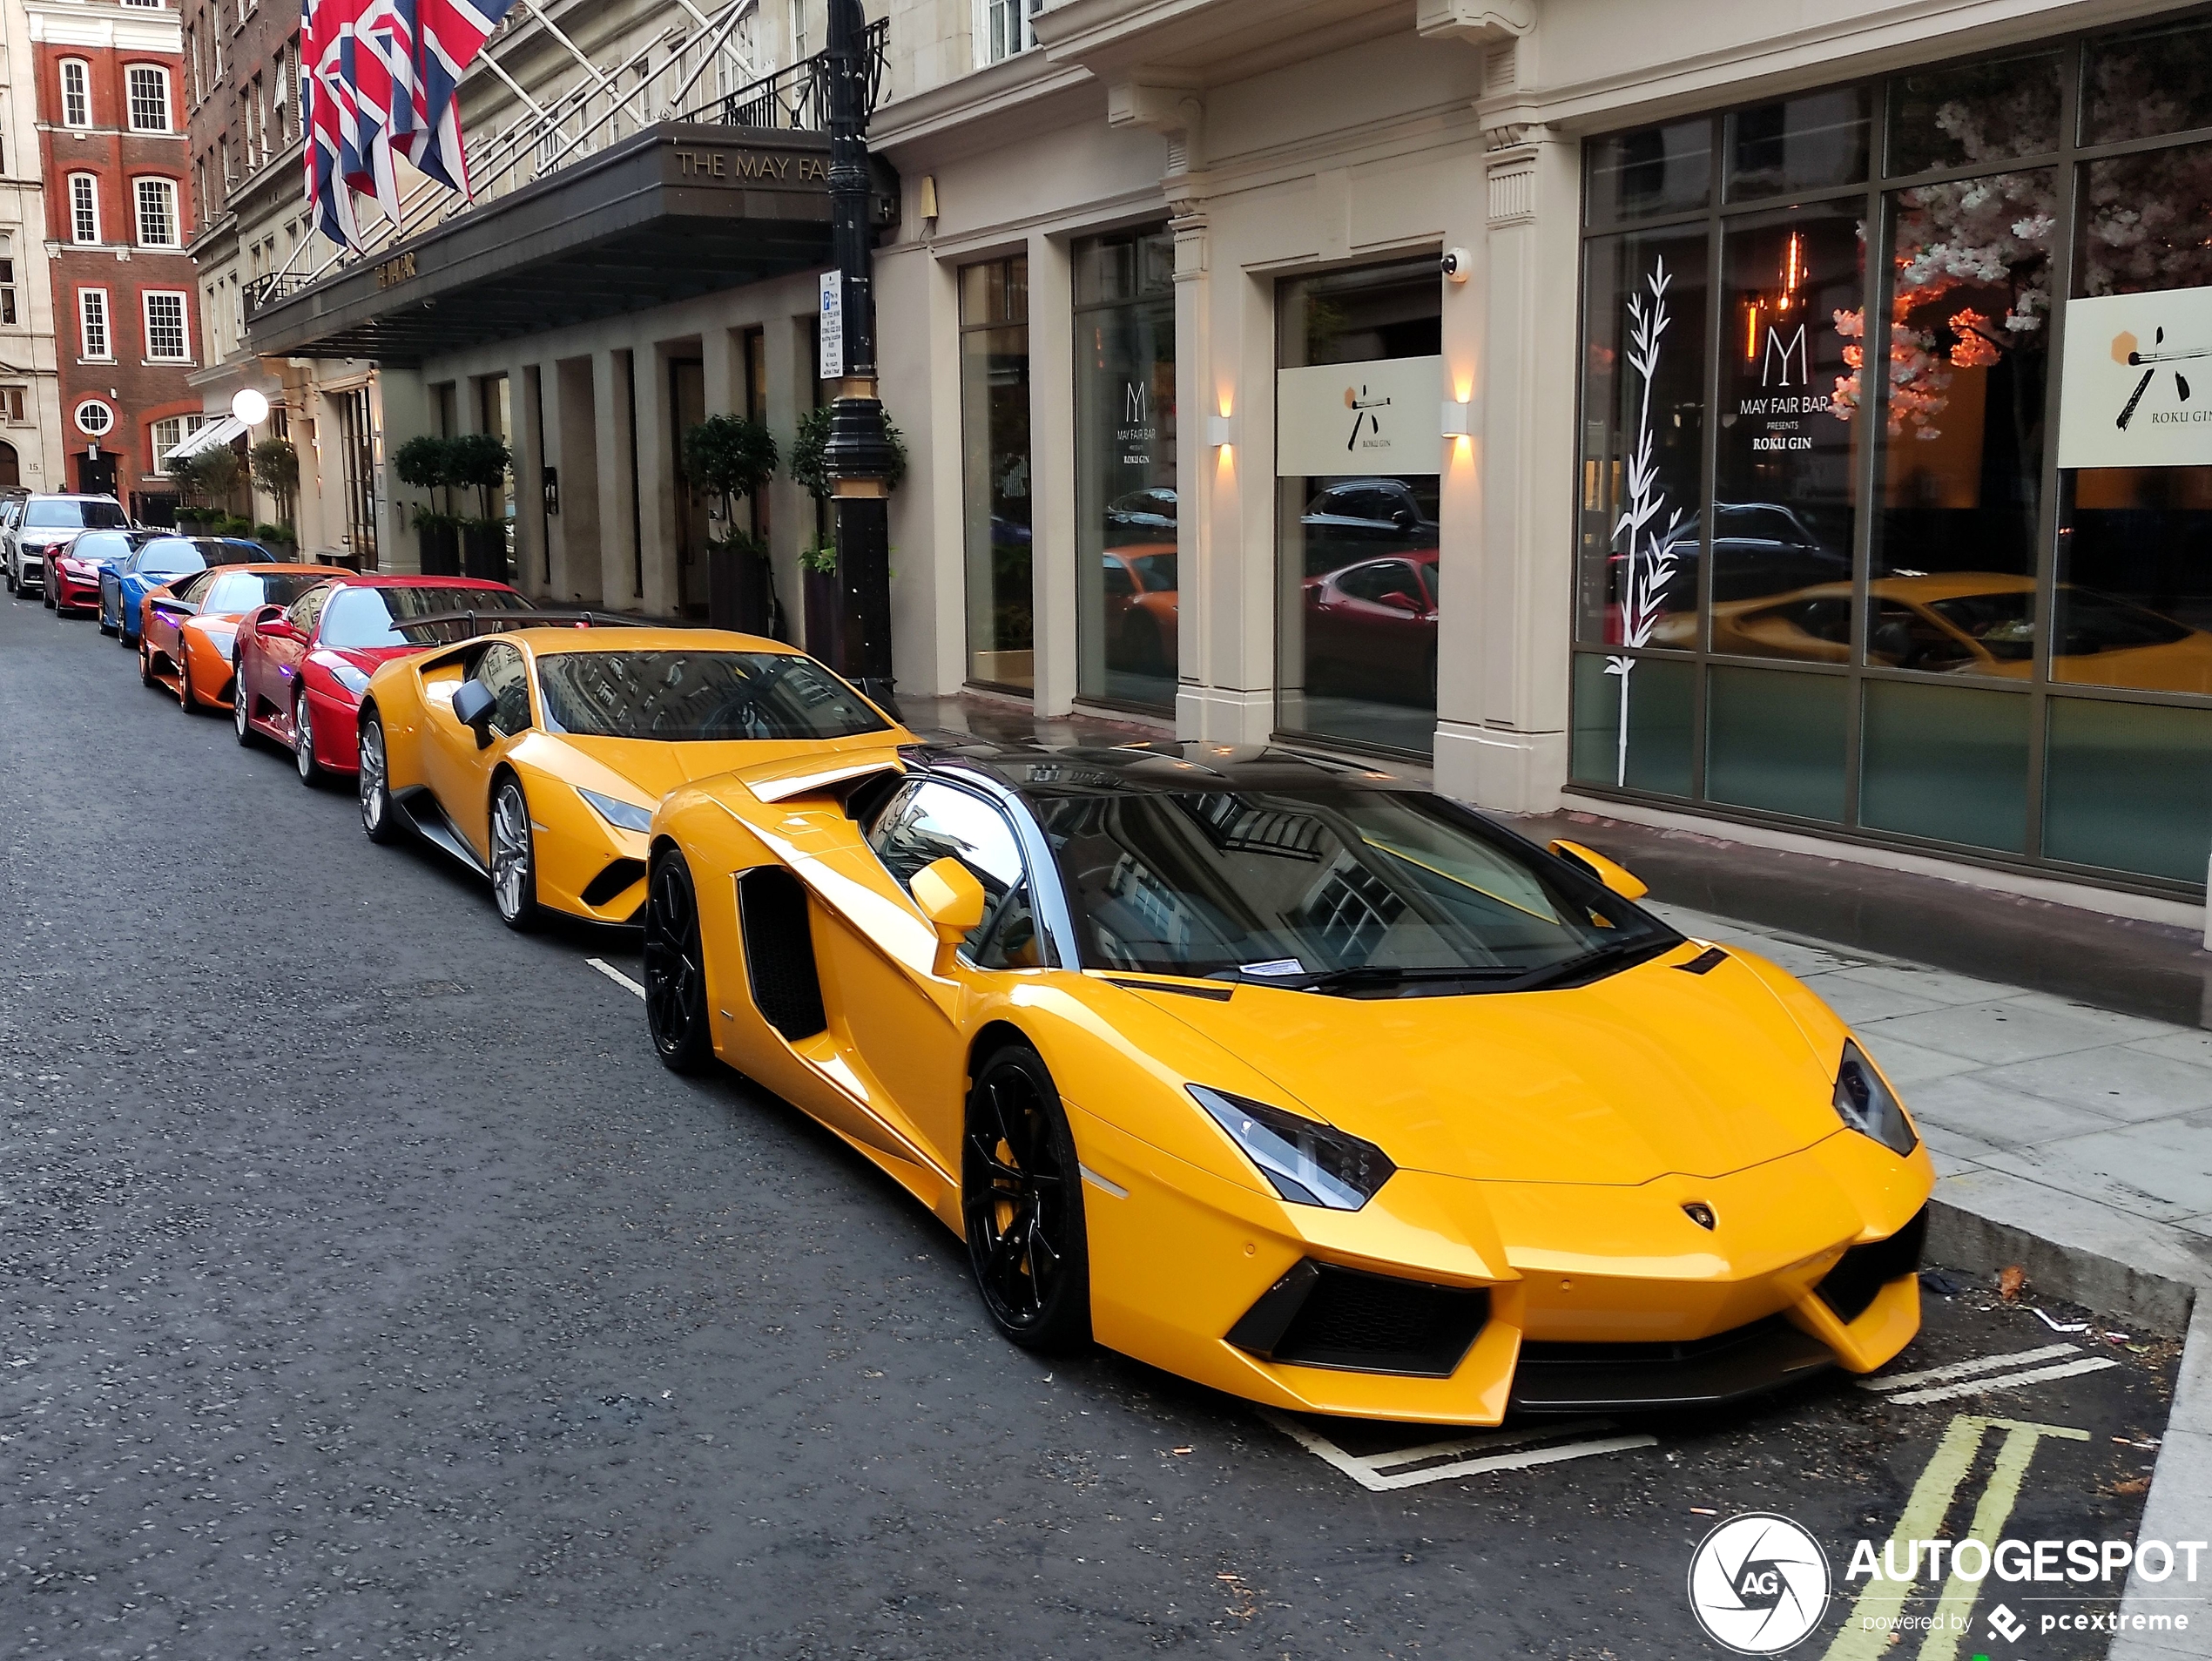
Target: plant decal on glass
(1646, 575)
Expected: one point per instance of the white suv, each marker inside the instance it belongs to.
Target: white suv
(38, 522)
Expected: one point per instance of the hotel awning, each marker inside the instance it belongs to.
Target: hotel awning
(214, 433)
(678, 209)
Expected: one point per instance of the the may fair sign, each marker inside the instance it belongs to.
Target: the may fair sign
(2138, 386)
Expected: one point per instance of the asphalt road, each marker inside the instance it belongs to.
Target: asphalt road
(368, 1289)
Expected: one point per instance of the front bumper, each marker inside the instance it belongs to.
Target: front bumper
(1450, 1301)
(69, 590)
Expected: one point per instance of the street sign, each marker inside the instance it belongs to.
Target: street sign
(833, 330)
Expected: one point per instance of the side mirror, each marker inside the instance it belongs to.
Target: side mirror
(1618, 878)
(1405, 518)
(473, 705)
(951, 898)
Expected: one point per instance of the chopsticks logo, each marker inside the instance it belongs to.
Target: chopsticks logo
(1363, 407)
(2128, 349)
(1758, 1583)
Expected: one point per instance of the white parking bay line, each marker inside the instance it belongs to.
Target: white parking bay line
(615, 975)
(1968, 1370)
(2006, 1381)
(1379, 1472)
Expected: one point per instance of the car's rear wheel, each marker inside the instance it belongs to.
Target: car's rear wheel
(303, 741)
(514, 862)
(185, 696)
(676, 1010)
(1022, 1204)
(376, 782)
(241, 705)
(145, 665)
(11, 580)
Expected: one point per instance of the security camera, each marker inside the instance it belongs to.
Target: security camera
(1459, 265)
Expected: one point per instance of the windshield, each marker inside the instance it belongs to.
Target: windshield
(363, 617)
(169, 556)
(100, 544)
(242, 591)
(693, 697)
(2090, 622)
(1283, 884)
(2001, 623)
(64, 514)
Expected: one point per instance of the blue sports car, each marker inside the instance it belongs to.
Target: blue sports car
(124, 584)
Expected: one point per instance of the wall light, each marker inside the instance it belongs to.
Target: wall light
(250, 406)
(1460, 418)
(1221, 431)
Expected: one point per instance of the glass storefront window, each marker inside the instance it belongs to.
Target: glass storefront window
(1953, 567)
(995, 419)
(1644, 438)
(1812, 141)
(1879, 618)
(1785, 506)
(2146, 84)
(1965, 115)
(1358, 456)
(1651, 172)
(1126, 580)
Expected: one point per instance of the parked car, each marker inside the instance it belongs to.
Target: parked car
(71, 569)
(1180, 1040)
(1371, 629)
(1141, 609)
(302, 669)
(189, 639)
(1142, 516)
(536, 757)
(45, 520)
(157, 563)
(1353, 518)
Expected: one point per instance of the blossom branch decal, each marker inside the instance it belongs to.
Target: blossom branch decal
(1653, 548)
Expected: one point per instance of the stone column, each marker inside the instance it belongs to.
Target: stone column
(572, 429)
(403, 409)
(615, 416)
(1502, 740)
(1052, 473)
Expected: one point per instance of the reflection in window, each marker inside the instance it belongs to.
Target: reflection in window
(2139, 85)
(1126, 600)
(1962, 114)
(1651, 171)
(2145, 222)
(1805, 143)
(2134, 600)
(1785, 514)
(994, 418)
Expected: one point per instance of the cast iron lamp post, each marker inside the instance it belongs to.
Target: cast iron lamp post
(859, 456)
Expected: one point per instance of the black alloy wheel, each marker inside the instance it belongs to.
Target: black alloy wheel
(375, 782)
(676, 1009)
(1022, 1202)
(303, 741)
(514, 857)
(242, 706)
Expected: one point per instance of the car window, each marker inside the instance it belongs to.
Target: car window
(501, 671)
(1157, 571)
(307, 611)
(196, 589)
(100, 544)
(233, 591)
(1386, 577)
(929, 820)
(362, 616)
(63, 513)
(1118, 586)
(1906, 638)
(680, 697)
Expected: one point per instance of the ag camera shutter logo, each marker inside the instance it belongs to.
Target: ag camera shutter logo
(1758, 1583)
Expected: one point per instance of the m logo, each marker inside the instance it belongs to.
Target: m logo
(1779, 355)
(1136, 399)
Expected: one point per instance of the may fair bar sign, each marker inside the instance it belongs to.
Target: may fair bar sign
(2138, 386)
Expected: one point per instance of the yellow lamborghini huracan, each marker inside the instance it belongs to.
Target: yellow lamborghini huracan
(536, 756)
(1310, 1088)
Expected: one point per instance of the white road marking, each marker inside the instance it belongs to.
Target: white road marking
(1380, 1473)
(1968, 1370)
(615, 975)
(2006, 1381)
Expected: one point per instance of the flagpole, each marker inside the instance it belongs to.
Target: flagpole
(859, 456)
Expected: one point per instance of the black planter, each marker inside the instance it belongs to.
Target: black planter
(483, 552)
(739, 590)
(821, 612)
(440, 550)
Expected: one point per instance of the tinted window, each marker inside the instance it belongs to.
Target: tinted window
(364, 616)
(63, 513)
(1156, 571)
(245, 590)
(681, 697)
(195, 588)
(928, 821)
(307, 611)
(1312, 881)
(501, 672)
(101, 544)
(170, 556)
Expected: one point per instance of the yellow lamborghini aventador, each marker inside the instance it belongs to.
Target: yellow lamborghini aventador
(1321, 1091)
(536, 756)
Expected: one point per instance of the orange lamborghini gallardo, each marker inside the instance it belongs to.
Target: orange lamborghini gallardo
(185, 640)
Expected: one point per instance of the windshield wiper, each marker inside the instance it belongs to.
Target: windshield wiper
(1575, 971)
(1378, 976)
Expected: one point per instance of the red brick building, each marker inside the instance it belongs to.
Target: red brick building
(118, 219)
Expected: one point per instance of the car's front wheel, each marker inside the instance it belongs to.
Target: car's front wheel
(186, 695)
(514, 862)
(303, 741)
(375, 782)
(1022, 1204)
(241, 705)
(676, 1011)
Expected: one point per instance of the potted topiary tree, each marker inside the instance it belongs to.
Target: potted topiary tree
(728, 457)
(424, 463)
(275, 465)
(818, 563)
(215, 473)
(479, 461)
(189, 516)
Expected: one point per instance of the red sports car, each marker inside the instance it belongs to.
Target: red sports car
(302, 669)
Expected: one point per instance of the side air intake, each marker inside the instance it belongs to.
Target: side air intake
(779, 951)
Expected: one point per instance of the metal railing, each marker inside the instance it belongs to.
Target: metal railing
(796, 99)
